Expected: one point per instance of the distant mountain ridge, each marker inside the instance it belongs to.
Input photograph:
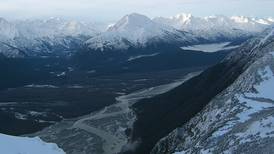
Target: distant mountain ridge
(136, 30)
(187, 22)
(42, 37)
(213, 27)
(38, 28)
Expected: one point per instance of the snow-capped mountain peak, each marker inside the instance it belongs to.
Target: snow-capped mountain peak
(131, 31)
(39, 36)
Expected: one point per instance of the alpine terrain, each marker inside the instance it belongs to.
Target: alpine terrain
(140, 85)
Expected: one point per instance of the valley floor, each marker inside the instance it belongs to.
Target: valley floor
(39, 105)
(105, 131)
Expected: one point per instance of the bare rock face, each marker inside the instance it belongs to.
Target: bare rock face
(240, 118)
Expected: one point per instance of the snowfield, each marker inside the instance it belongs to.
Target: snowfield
(26, 145)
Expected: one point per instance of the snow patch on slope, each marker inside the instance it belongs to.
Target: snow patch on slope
(264, 89)
(263, 129)
(25, 145)
(248, 103)
(263, 41)
(142, 56)
(272, 53)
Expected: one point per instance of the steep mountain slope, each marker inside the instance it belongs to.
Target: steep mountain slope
(216, 27)
(240, 118)
(169, 111)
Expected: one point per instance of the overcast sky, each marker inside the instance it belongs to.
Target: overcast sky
(111, 10)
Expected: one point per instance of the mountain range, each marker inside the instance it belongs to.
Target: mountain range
(216, 26)
(42, 37)
(135, 30)
(57, 36)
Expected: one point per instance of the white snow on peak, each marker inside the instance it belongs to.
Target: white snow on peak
(136, 28)
(53, 27)
(25, 145)
(131, 22)
(240, 19)
(183, 17)
(31, 36)
(36, 28)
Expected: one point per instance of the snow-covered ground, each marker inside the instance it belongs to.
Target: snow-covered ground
(213, 47)
(25, 145)
(249, 103)
(264, 89)
(40, 86)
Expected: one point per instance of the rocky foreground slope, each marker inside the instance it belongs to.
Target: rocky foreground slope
(240, 118)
